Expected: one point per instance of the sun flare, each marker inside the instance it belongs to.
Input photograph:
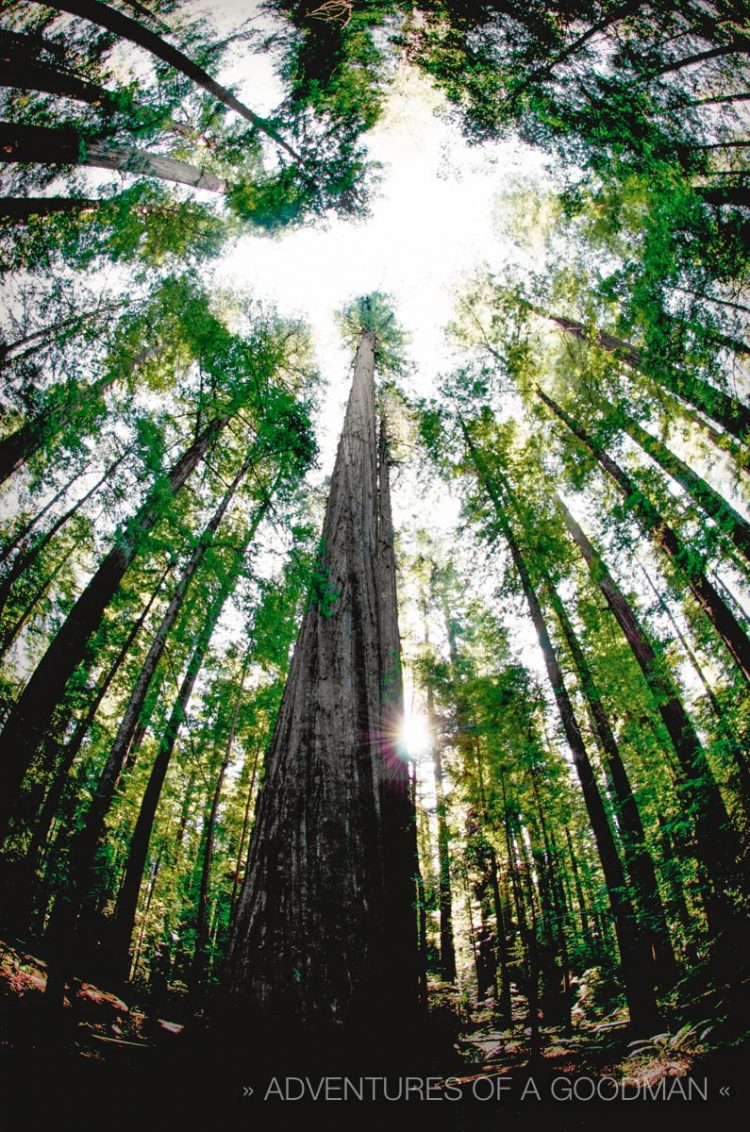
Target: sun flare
(414, 735)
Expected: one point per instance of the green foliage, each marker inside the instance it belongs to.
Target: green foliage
(374, 315)
(631, 319)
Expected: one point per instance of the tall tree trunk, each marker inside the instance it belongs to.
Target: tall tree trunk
(326, 930)
(31, 716)
(72, 747)
(731, 414)
(636, 975)
(447, 948)
(62, 145)
(716, 845)
(24, 561)
(25, 74)
(710, 601)
(637, 857)
(710, 501)
(200, 964)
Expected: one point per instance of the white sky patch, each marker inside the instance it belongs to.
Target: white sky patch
(432, 225)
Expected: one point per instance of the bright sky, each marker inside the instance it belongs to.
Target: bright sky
(432, 224)
(435, 220)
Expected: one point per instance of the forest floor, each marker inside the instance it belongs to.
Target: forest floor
(583, 1076)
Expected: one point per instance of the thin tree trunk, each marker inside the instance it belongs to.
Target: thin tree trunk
(531, 946)
(31, 716)
(558, 907)
(727, 445)
(637, 857)
(504, 998)
(14, 543)
(142, 11)
(24, 561)
(55, 145)
(676, 893)
(9, 635)
(582, 906)
(740, 46)
(715, 608)
(127, 900)
(715, 99)
(144, 916)
(22, 444)
(731, 414)
(130, 29)
(715, 706)
(612, 17)
(472, 932)
(103, 311)
(505, 1003)
(243, 835)
(515, 885)
(733, 744)
(422, 936)
(447, 948)
(716, 845)
(201, 930)
(710, 501)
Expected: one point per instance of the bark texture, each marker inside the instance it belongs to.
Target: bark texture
(326, 930)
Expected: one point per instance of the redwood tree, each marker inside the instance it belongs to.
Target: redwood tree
(326, 930)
